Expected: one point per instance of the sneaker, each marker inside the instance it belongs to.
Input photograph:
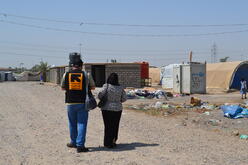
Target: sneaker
(71, 145)
(82, 149)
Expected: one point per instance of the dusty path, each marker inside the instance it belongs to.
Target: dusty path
(33, 130)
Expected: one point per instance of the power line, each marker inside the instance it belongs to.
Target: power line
(57, 48)
(120, 52)
(101, 58)
(124, 35)
(30, 55)
(35, 49)
(119, 24)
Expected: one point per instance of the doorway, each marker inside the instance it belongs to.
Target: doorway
(98, 74)
(6, 77)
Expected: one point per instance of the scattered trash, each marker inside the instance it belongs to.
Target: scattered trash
(169, 94)
(234, 111)
(243, 136)
(208, 106)
(207, 113)
(158, 105)
(165, 106)
(195, 101)
(146, 93)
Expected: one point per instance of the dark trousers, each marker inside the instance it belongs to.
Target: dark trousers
(111, 126)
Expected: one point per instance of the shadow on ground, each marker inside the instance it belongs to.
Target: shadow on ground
(122, 147)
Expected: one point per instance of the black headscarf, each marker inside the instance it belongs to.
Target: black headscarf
(113, 79)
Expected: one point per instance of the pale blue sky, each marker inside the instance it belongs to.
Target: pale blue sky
(28, 45)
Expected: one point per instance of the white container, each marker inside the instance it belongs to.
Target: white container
(189, 78)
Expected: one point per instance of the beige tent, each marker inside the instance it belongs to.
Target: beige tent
(154, 74)
(222, 75)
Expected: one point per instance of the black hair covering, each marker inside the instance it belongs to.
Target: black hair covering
(77, 63)
(113, 79)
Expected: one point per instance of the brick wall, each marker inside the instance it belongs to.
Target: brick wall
(129, 74)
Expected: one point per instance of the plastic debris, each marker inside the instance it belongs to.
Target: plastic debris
(166, 106)
(146, 93)
(208, 106)
(234, 111)
(243, 136)
(158, 105)
(207, 113)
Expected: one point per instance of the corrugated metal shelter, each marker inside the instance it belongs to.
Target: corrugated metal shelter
(2, 75)
(55, 74)
(6, 74)
(226, 75)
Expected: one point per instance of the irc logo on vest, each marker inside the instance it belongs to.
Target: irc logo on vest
(75, 81)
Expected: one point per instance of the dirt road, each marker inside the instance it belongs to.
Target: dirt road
(34, 130)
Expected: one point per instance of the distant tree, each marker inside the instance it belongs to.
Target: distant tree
(18, 69)
(224, 59)
(43, 67)
(35, 68)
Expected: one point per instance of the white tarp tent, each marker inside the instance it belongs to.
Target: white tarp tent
(27, 76)
(167, 76)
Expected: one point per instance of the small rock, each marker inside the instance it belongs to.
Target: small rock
(235, 133)
(214, 122)
(184, 124)
(166, 114)
(196, 121)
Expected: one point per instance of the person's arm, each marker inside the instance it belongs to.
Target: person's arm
(63, 82)
(92, 85)
(123, 96)
(102, 91)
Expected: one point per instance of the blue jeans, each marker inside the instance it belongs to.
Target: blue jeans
(78, 118)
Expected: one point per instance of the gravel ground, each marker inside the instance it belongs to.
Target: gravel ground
(34, 130)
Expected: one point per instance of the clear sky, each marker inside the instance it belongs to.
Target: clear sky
(24, 40)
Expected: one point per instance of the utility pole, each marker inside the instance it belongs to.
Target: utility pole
(214, 53)
(21, 67)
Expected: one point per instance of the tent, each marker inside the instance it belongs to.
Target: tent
(167, 76)
(154, 74)
(27, 76)
(226, 75)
